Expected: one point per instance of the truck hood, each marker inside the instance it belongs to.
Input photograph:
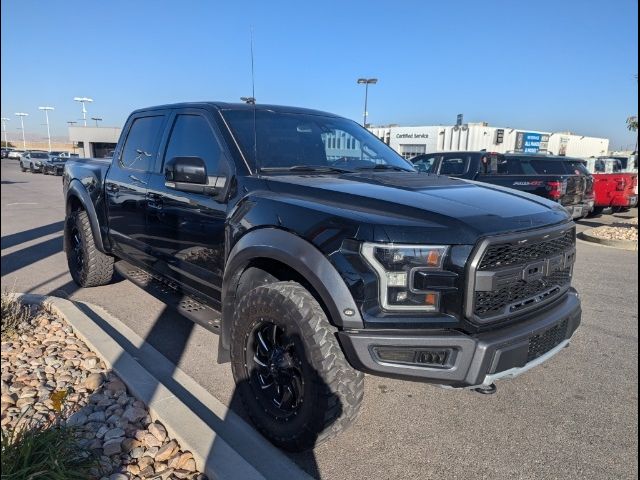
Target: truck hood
(417, 208)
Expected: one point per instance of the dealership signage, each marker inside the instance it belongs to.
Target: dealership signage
(529, 142)
(412, 135)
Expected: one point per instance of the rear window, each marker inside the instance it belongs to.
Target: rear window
(454, 165)
(578, 168)
(548, 167)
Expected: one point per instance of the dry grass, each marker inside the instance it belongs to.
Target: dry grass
(13, 313)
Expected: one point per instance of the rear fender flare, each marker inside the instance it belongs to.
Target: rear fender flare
(76, 189)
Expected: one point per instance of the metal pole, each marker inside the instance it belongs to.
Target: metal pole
(84, 114)
(4, 129)
(46, 114)
(366, 97)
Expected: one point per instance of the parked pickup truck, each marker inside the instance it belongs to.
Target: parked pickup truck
(614, 187)
(318, 253)
(536, 174)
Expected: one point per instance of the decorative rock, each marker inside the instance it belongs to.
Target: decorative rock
(166, 451)
(151, 441)
(113, 433)
(119, 476)
(116, 386)
(112, 447)
(97, 417)
(133, 414)
(158, 431)
(90, 362)
(93, 381)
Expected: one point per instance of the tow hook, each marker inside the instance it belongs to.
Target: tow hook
(487, 389)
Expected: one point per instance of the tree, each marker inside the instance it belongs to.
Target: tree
(6, 144)
(632, 126)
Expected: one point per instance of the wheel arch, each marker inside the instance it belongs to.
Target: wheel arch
(279, 253)
(78, 199)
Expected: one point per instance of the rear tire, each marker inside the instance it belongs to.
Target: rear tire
(319, 392)
(89, 267)
(22, 169)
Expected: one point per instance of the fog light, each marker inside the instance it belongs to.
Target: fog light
(425, 357)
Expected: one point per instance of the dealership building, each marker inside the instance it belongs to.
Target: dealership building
(412, 141)
(94, 142)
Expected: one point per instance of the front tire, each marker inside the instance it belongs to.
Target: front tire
(290, 372)
(22, 169)
(89, 267)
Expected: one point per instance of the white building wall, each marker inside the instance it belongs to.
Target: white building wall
(478, 136)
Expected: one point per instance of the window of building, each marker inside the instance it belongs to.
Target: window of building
(411, 150)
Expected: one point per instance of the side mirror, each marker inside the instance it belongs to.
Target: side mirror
(189, 174)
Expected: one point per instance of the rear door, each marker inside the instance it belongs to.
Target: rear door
(186, 230)
(126, 184)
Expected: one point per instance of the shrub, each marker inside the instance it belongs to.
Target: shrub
(13, 313)
(44, 450)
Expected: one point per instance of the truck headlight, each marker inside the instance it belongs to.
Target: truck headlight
(396, 266)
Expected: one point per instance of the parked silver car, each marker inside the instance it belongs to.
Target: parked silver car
(33, 161)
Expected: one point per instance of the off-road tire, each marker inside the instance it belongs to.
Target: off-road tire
(96, 267)
(334, 390)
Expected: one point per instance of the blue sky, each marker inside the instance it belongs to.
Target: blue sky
(546, 65)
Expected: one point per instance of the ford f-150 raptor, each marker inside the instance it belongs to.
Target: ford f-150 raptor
(318, 253)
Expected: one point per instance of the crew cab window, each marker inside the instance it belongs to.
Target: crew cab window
(140, 148)
(424, 163)
(454, 166)
(192, 136)
(548, 167)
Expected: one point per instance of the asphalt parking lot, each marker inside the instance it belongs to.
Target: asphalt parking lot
(574, 417)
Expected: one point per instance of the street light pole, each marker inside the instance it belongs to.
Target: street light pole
(22, 115)
(4, 130)
(96, 119)
(83, 100)
(46, 111)
(366, 82)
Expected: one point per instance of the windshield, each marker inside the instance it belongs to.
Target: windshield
(285, 140)
(39, 155)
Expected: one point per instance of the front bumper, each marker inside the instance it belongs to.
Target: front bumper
(476, 359)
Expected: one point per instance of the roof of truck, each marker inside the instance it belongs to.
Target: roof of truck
(237, 106)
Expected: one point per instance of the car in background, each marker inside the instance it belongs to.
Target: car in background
(541, 175)
(15, 154)
(4, 153)
(613, 187)
(33, 161)
(54, 165)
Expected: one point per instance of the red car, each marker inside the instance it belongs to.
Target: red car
(612, 187)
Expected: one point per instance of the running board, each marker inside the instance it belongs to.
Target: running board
(170, 294)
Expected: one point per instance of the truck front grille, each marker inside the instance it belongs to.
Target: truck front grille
(519, 295)
(515, 273)
(506, 254)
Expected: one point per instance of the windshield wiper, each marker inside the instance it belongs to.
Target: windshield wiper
(306, 168)
(385, 167)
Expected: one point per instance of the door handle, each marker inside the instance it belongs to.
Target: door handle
(136, 179)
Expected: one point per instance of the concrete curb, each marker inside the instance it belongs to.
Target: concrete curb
(620, 244)
(223, 445)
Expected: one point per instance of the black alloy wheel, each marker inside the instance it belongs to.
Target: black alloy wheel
(274, 367)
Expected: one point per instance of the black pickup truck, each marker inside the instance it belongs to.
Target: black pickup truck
(318, 253)
(552, 177)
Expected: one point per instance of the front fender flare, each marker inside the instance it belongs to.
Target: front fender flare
(297, 253)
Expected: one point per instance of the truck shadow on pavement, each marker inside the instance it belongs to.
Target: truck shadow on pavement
(170, 335)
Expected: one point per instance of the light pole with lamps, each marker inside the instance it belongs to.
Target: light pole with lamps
(83, 100)
(4, 130)
(22, 115)
(366, 82)
(46, 111)
(96, 119)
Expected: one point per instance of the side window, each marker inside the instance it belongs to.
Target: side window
(139, 149)
(424, 163)
(454, 166)
(192, 136)
(510, 166)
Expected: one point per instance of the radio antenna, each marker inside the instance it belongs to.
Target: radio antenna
(253, 98)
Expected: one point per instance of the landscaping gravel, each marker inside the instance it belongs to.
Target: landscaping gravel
(44, 361)
(618, 231)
